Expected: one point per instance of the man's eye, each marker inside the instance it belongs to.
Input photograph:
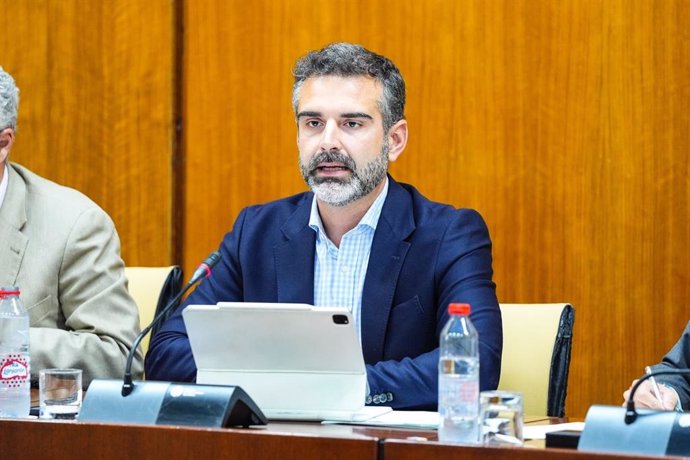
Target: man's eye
(352, 124)
(313, 123)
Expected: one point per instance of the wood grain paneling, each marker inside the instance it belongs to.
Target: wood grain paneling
(50, 440)
(96, 110)
(566, 124)
(408, 450)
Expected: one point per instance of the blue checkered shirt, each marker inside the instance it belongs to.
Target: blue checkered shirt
(339, 272)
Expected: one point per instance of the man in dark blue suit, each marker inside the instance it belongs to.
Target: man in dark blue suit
(359, 239)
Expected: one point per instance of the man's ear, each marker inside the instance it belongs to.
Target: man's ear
(397, 140)
(6, 142)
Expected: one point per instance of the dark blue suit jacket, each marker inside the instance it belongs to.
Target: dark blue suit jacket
(424, 256)
(678, 358)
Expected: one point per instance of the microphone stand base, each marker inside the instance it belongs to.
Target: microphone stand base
(166, 403)
(650, 433)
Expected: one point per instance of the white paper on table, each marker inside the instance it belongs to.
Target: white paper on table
(429, 421)
(539, 431)
(399, 419)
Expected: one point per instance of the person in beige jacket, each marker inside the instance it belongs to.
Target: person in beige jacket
(62, 251)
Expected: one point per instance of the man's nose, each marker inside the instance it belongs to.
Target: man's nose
(330, 138)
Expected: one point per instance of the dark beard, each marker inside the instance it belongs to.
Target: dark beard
(331, 156)
(343, 191)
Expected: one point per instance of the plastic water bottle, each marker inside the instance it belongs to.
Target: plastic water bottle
(458, 378)
(15, 397)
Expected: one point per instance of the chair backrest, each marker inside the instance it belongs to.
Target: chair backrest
(537, 341)
(152, 288)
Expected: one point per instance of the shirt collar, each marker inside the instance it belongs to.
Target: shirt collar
(4, 183)
(370, 219)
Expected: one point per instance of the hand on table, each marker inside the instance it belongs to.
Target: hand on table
(646, 399)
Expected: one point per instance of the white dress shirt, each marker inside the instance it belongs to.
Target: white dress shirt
(339, 272)
(3, 184)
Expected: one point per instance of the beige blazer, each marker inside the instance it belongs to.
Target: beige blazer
(63, 253)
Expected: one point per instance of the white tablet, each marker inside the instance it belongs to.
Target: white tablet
(296, 361)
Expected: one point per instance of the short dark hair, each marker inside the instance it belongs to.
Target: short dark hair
(348, 60)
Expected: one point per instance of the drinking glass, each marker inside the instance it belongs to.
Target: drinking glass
(60, 393)
(501, 418)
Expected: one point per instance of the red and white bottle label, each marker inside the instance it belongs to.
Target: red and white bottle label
(14, 370)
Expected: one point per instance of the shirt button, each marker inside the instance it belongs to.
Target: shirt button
(345, 269)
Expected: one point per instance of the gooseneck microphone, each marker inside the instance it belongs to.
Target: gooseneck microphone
(630, 412)
(616, 429)
(152, 402)
(202, 271)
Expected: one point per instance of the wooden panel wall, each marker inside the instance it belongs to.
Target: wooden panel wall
(96, 107)
(566, 124)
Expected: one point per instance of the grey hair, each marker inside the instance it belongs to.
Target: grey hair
(9, 101)
(348, 60)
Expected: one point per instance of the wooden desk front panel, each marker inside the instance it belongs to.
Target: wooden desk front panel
(63, 441)
(299, 441)
(406, 450)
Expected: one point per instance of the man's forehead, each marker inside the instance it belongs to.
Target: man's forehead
(355, 93)
(342, 80)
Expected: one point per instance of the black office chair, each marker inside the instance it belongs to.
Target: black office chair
(537, 343)
(152, 289)
(171, 287)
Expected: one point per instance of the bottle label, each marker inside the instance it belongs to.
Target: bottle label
(14, 370)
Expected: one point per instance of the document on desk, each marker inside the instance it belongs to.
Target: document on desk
(539, 431)
(421, 420)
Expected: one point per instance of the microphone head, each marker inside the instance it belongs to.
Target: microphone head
(205, 267)
(213, 259)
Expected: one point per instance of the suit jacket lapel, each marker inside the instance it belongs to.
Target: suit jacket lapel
(294, 257)
(388, 252)
(12, 219)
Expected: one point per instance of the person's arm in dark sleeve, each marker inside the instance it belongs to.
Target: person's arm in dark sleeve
(678, 358)
(464, 274)
(170, 355)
